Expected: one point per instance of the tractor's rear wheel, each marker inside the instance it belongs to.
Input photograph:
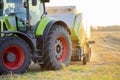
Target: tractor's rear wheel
(57, 50)
(15, 55)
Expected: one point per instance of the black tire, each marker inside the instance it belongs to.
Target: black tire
(89, 52)
(21, 55)
(89, 55)
(84, 62)
(57, 35)
(83, 56)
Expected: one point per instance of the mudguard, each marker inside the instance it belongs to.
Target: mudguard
(45, 25)
(26, 37)
(42, 25)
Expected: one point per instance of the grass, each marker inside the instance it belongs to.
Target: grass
(104, 65)
(73, 72)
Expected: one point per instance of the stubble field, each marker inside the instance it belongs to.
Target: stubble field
(104, 64)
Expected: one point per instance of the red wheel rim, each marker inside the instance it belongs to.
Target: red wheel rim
(64, 49)
(19, 57)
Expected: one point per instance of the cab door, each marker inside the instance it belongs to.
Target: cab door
(36, 12)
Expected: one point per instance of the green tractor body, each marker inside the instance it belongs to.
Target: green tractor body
(28, 33)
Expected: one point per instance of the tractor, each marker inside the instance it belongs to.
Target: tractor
(28, 34)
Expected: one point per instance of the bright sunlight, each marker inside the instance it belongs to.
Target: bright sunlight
(98, 12)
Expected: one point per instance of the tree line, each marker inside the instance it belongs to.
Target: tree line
(105, 28)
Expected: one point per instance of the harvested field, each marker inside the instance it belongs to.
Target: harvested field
(104, 64)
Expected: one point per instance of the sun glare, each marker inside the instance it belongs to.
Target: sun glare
(98, 12)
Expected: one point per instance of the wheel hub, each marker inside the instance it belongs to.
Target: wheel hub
(59, 49)
(10, 57)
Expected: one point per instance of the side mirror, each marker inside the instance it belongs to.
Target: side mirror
(25, 5)
(45, 0)
(34, 2)
(1, 8)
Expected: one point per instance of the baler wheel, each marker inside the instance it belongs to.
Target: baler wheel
(84, 61)
(89, 55)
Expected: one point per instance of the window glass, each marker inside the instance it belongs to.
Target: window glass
(35, 12)
(14, 6)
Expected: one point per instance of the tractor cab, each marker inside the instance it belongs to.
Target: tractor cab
(24, 12)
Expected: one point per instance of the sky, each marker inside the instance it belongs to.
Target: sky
(97, 12)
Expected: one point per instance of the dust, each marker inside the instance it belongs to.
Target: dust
(107, 47)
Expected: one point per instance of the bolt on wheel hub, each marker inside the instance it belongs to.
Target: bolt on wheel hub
(10, 57)
(59, 49)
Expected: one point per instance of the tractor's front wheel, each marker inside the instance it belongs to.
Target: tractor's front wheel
(15, 55)
(57, 50)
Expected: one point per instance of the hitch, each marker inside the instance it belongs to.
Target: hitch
(91, 42)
